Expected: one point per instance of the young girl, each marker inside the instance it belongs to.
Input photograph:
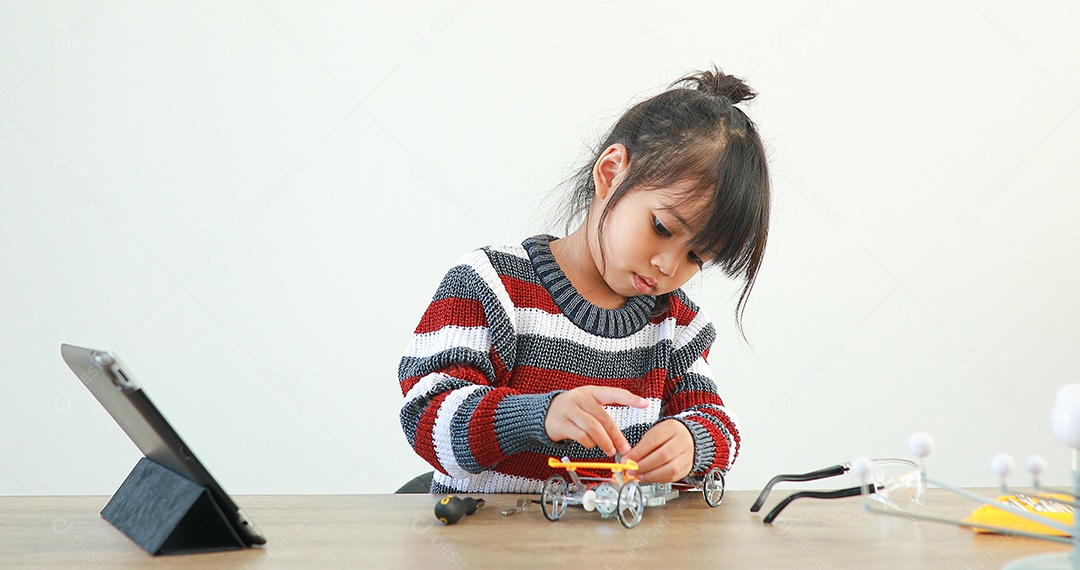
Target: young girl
(585, 346)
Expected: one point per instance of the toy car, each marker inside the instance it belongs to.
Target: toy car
(622, 495)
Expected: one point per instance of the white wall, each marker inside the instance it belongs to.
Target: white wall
(254, 202)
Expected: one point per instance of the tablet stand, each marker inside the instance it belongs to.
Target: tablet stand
(165, 513)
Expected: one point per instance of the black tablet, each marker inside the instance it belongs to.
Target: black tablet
(115, 387)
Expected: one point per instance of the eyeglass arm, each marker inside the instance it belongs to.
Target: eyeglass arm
(849, 492)
(811, 476)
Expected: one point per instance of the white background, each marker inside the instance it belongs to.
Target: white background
(253, 203)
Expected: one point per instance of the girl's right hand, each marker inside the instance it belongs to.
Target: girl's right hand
(579, 415)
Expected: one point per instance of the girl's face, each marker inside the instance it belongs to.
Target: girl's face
(645, 249)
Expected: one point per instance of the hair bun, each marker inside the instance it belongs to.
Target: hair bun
(716, 82)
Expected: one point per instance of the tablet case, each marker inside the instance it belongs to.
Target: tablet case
(169, 504)
(166, 513)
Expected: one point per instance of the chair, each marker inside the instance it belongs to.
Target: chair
(420, 484)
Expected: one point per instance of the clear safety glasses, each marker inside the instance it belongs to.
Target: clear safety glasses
(896, 483)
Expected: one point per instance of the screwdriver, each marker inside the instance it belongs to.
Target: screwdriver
(451, 508)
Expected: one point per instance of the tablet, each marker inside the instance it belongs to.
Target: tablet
(115, 387)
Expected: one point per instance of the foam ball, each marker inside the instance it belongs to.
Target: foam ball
(1036, 464)
(920, 444)
(1067, 393)
(1065, 421)
(860, 466)
(1002, 464)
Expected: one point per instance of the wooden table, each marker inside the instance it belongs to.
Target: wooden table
(400, 531)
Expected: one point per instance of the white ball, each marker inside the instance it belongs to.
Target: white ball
(1002, 464)
(1065, 421)
(1036, 464)
(860, 466)
(1068, 392)
(920, 444)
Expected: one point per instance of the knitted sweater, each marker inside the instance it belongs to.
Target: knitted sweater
(506, 332)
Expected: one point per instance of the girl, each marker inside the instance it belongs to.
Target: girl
(586, 346)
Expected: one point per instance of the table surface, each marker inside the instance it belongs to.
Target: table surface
(400, 531)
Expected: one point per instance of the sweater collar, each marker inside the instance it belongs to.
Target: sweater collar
(610, 323)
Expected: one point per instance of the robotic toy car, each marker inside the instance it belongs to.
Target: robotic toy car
(621, 495)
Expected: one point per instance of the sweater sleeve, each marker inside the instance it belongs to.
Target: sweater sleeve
(694, 400)
(457, 413)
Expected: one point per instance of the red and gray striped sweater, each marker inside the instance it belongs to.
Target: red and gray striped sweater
(506, 332)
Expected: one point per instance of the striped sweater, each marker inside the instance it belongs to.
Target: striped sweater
(506, 332)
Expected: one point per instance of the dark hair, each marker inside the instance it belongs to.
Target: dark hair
(695, 132)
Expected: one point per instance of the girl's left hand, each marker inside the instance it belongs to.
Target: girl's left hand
(665, 453)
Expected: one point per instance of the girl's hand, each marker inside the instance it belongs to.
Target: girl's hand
(579, 415)
(665, 453)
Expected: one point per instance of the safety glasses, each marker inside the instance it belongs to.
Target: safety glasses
(896, 483)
